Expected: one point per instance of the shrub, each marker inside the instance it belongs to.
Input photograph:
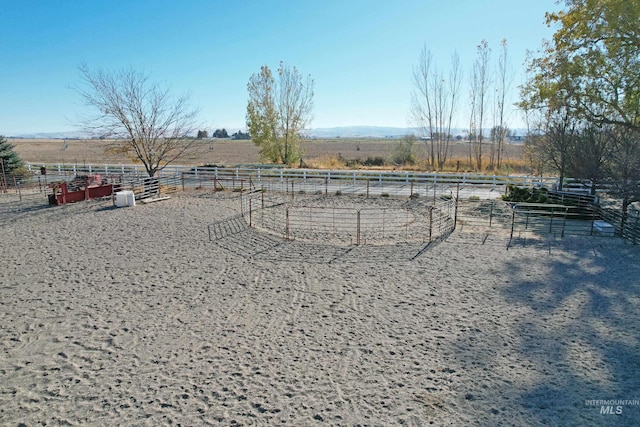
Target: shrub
(403, 151)
(526, 194)
(374, 161)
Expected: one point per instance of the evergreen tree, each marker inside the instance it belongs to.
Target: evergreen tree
(10, 159)
(221, 133)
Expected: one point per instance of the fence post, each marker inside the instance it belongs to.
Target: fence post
(286, 224)
(384, 211)
(434, 193)
(635, 227)
(491, 213)
(455, 211)
(430, 223)
(358, 228)
(250, 222)
(3, 178)
(15, 182)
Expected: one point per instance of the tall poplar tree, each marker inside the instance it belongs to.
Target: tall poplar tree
(278, 111)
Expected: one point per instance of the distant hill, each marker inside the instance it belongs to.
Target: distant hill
(382, 132)
(361, 132)
(322, 133)
(51, 135)
(335, 132)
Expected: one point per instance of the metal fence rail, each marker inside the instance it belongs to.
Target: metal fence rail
(561, 220)
(144, 187)
(206, 174)
(322, 219)
(291, 184)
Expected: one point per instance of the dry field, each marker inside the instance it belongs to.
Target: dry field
(223, 152)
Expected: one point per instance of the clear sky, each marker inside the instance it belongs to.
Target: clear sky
(360, 53)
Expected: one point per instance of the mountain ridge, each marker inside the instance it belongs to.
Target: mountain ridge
(328, 133)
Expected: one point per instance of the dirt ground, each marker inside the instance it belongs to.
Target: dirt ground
(135, 316)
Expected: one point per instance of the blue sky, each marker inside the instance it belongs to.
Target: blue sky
(360, 53)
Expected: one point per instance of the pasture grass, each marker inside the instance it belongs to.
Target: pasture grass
(455, 164)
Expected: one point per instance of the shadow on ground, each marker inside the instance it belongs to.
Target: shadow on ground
(565, 330)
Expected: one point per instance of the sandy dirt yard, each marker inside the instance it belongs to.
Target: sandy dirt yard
(133, 316)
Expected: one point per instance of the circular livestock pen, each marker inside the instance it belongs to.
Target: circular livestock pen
(349, 220)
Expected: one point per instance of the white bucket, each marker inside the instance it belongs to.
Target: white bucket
(125, 198)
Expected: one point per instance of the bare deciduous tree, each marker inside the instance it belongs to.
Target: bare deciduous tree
(145, 120)
(434, 101)
(503, 86)
(480, 81)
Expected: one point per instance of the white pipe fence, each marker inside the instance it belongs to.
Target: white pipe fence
(196, 174)
(296, 182)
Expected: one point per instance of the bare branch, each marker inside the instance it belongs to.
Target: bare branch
(145, 120)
